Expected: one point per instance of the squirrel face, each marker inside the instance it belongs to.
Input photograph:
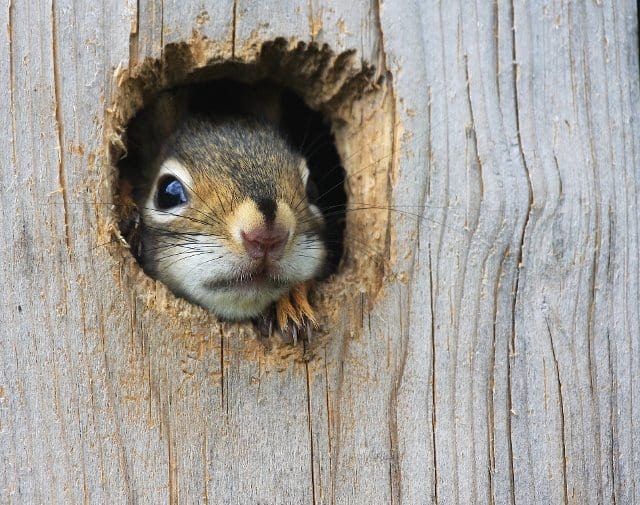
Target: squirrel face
(225, 218)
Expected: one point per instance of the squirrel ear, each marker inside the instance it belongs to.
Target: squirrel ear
(304, 171)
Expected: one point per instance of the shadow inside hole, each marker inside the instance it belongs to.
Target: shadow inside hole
(306, 130)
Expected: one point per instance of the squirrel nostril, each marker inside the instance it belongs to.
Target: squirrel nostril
(263, 242)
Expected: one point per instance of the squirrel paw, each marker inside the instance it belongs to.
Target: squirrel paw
(293, 318)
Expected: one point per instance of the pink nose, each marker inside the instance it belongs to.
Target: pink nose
(262, 242)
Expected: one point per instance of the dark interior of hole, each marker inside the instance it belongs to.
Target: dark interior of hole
(307, 131)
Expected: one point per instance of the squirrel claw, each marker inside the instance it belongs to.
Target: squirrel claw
(264, 326)
(293, 331)
(289, 334)
(294, 314)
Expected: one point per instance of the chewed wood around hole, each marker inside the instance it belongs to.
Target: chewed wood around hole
(232, 192)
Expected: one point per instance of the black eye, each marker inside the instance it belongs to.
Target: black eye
(171, 193)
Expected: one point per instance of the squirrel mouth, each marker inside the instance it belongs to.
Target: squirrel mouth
(260, 278)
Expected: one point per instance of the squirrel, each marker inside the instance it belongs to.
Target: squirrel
(224, 215)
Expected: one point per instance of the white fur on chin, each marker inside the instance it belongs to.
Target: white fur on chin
(192, 275)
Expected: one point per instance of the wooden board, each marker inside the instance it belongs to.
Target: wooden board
(496, 364)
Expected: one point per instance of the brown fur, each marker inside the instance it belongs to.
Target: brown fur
(234, 163)
(231, 161)
(295, 308)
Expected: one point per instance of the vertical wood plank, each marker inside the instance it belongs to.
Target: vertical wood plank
(496, 364)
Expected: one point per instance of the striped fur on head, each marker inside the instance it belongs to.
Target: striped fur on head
(237, 173)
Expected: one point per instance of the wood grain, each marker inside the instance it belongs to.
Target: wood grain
(498, 363)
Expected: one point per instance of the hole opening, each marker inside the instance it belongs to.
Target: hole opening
(307, 131)
(318, 94)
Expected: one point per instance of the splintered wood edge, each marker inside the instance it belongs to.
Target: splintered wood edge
(361, 106)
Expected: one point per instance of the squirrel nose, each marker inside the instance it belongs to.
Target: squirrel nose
(261, 242)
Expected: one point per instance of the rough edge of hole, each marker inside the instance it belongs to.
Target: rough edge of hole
(327, 82)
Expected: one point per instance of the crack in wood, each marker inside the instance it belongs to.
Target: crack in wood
(516, 293)
(134, 37)
(59, 122)
(311, 436)
(563, 443)
(432, 315)
(234, 22)
(12, 80)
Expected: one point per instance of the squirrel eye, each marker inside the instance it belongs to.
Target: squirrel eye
(171, 193)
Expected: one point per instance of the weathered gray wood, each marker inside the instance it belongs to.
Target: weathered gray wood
(498, 364)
